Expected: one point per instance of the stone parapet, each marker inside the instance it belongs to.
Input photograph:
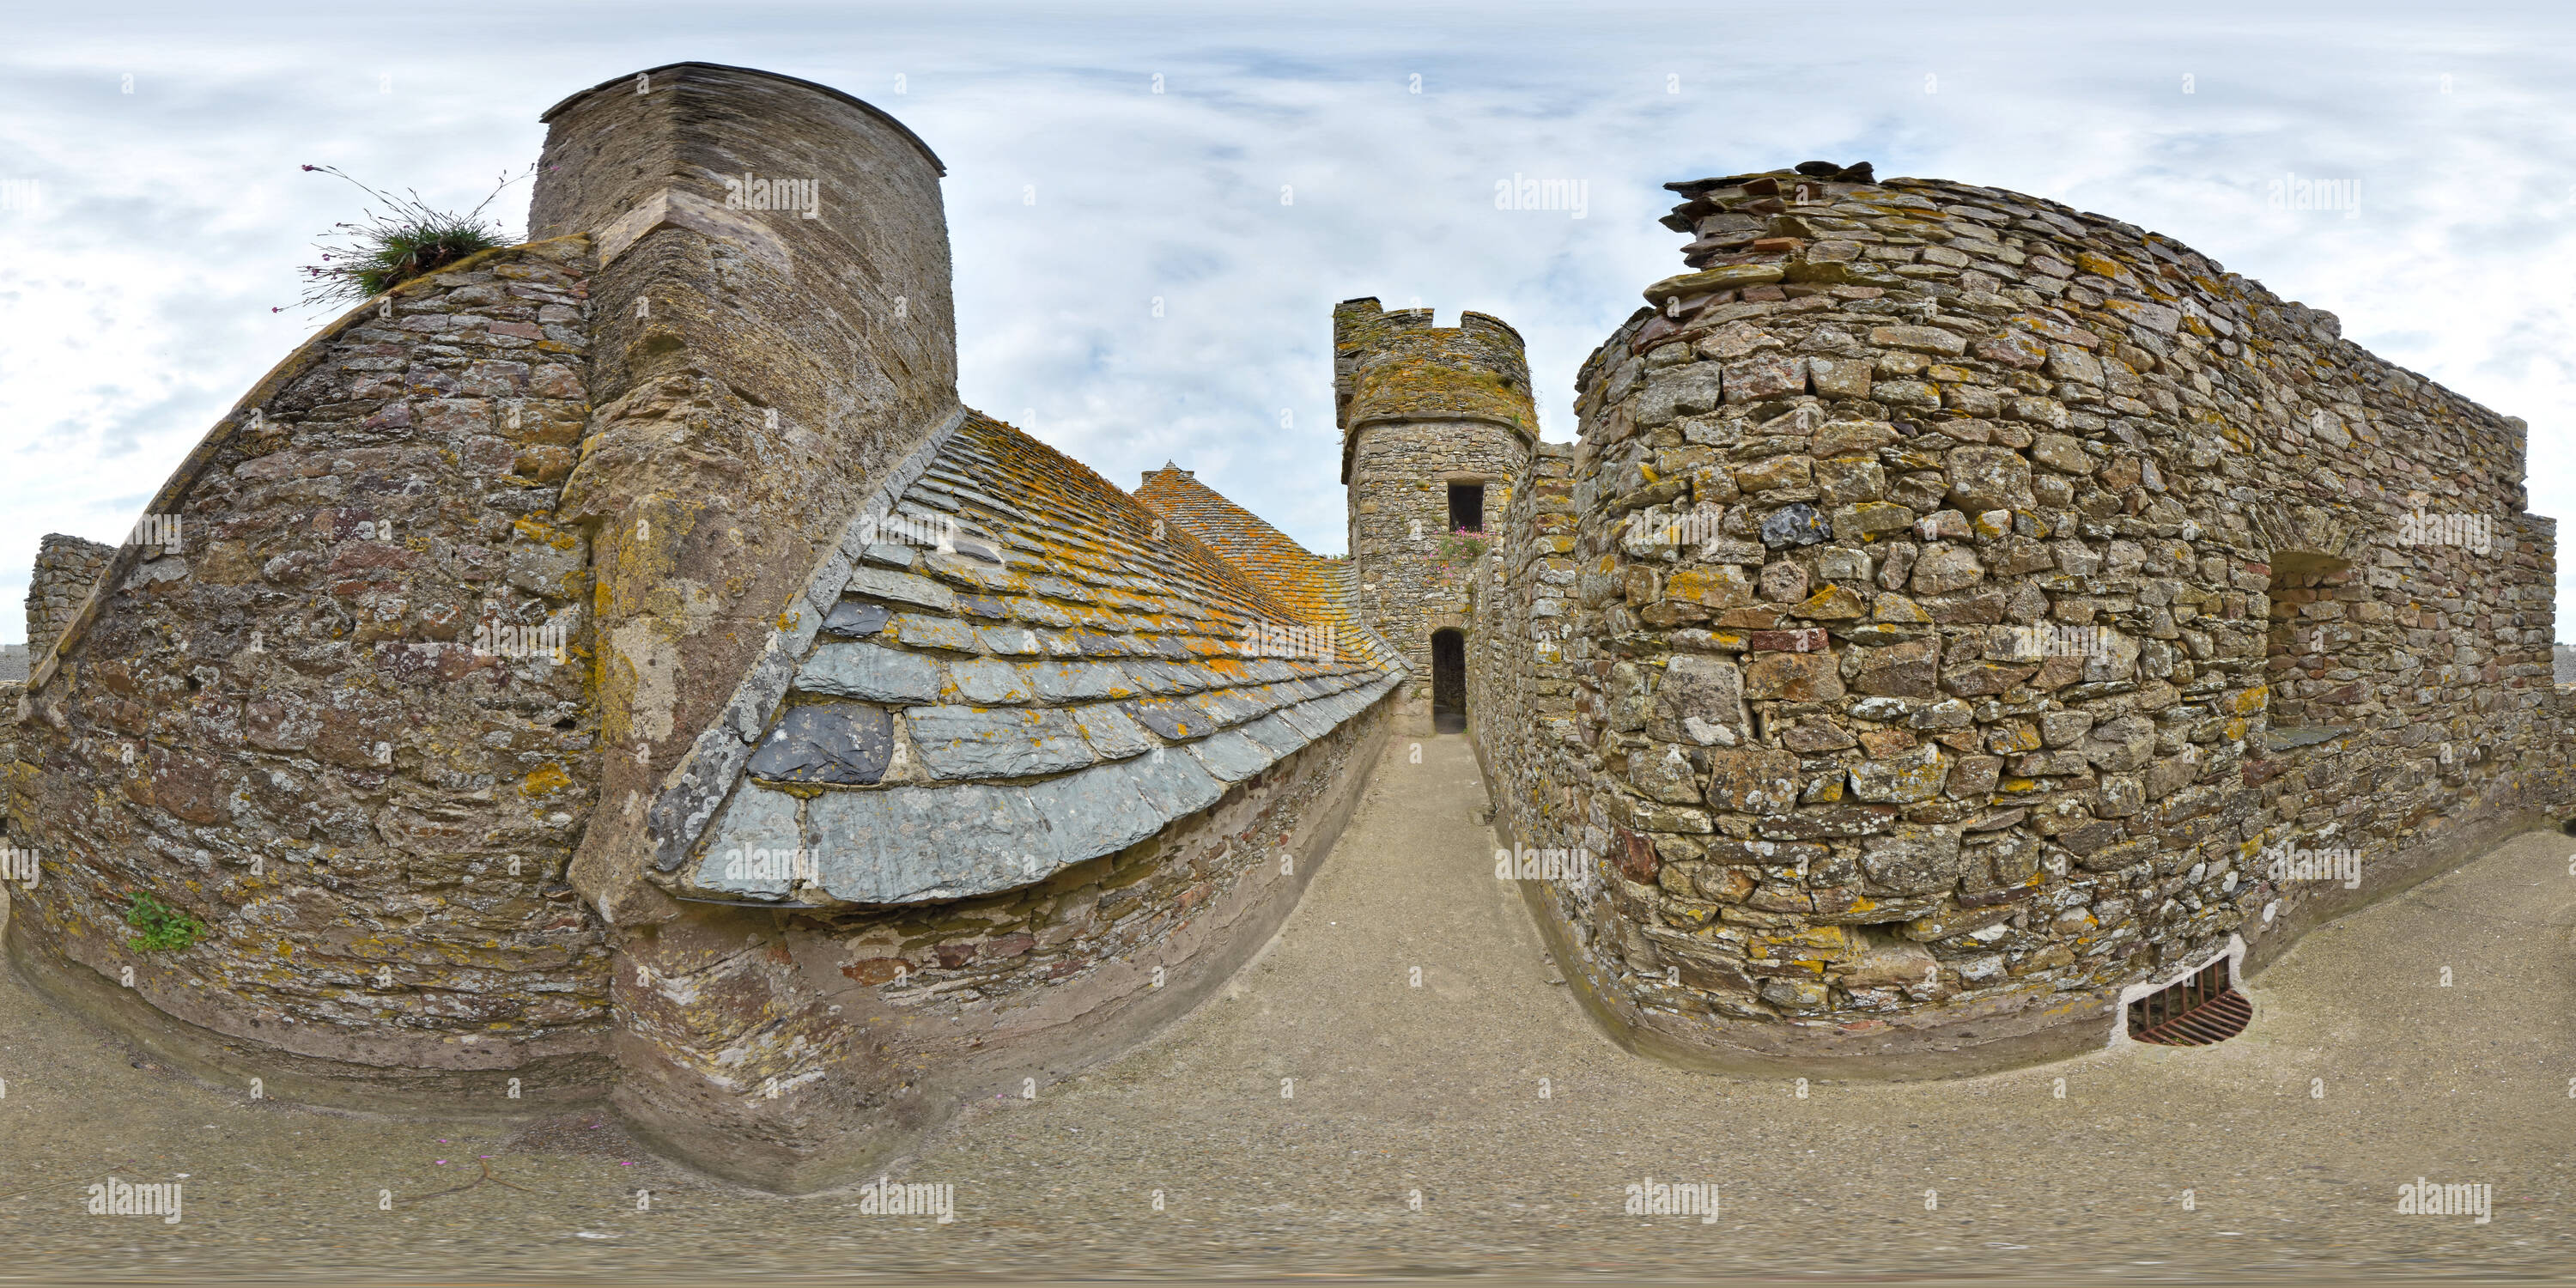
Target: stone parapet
(1974, 599)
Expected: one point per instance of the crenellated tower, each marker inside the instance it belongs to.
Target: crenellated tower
(1436, 421)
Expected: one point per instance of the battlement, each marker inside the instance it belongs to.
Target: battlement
(1392, 364)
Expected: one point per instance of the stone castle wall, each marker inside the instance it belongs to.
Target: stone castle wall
(1421, 407)
(1413, 573)
(321, 714)
(327, 721)
(930, 1006)
(1934, 546)
(1521, 650)
(775, 337)
(66, 568)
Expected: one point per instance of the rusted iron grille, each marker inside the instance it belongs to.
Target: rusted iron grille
(2195, 1012)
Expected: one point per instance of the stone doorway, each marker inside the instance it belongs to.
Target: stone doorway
(1448, 681)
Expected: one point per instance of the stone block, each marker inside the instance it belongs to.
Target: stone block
(966, 743)
(1920, 339)
(1115, 737)
(870, 671)
(1985, 478)
(1765, 375)
(1943, 568)
(853, 618)
(1793, 677)
(1796, 524)
(1700, 701)
(2062, 453)
(1683, 390)
(1907, 670)
(1715, 586)
(1900, 779)
(827, 742)
(902, 588)
(1912, 859)
(1749, 780)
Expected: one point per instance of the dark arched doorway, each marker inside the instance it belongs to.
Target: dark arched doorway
(1449, 680)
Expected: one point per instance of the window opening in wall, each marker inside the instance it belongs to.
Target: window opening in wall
(2196, 1012)
(2313, 687)
(1466, 507)
(1449, 680)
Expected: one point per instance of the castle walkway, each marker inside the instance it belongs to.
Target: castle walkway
(1287, 1127)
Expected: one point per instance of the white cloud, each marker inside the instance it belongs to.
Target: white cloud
(136, 297)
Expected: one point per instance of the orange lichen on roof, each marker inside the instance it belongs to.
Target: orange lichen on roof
(1040, 502)
(1392, 364)
(1316, 587)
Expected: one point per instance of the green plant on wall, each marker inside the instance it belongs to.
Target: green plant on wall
(163, 926)
(1463, 547)
(402, 238)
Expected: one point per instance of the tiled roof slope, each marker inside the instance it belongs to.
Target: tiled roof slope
(1317, 587)
(1017, 676)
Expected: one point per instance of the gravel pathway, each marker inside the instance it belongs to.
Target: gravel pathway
(1287, 1128)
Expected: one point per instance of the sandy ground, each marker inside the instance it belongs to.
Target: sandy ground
(1437, 1089)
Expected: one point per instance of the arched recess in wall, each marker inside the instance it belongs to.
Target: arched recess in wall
(2321, 680)
(1449, 680)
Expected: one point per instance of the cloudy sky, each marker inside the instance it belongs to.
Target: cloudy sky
(1293, 155)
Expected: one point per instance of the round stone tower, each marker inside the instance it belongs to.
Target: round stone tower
(1436, 422)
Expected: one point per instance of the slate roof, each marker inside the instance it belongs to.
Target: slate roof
(1015, 669)
(1319, 589)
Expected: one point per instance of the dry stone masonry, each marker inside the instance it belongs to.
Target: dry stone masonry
(617, 667)
(1423, 408)
(335, 710)
(1961, 597)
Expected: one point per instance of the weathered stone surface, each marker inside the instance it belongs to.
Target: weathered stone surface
(1793, 677)
(870, 671)
(2059, 452)
(1904, 670)
(1912, 859)
(966, 743)
(1943, 568)
(1913, 776)
(827, 742)
(1665, 774)
(987, 683)
(1701, 701)
(902, 588)
(757, 822)
(909, 844)
(1711, 586)
(1115, 737)
(1231, 756)
(1679, 391)
(1989, 478)
(853, 618)
(1752, 781)
(2121, 744)
(1921, 339)
(1178, 720)
(1798, 524)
